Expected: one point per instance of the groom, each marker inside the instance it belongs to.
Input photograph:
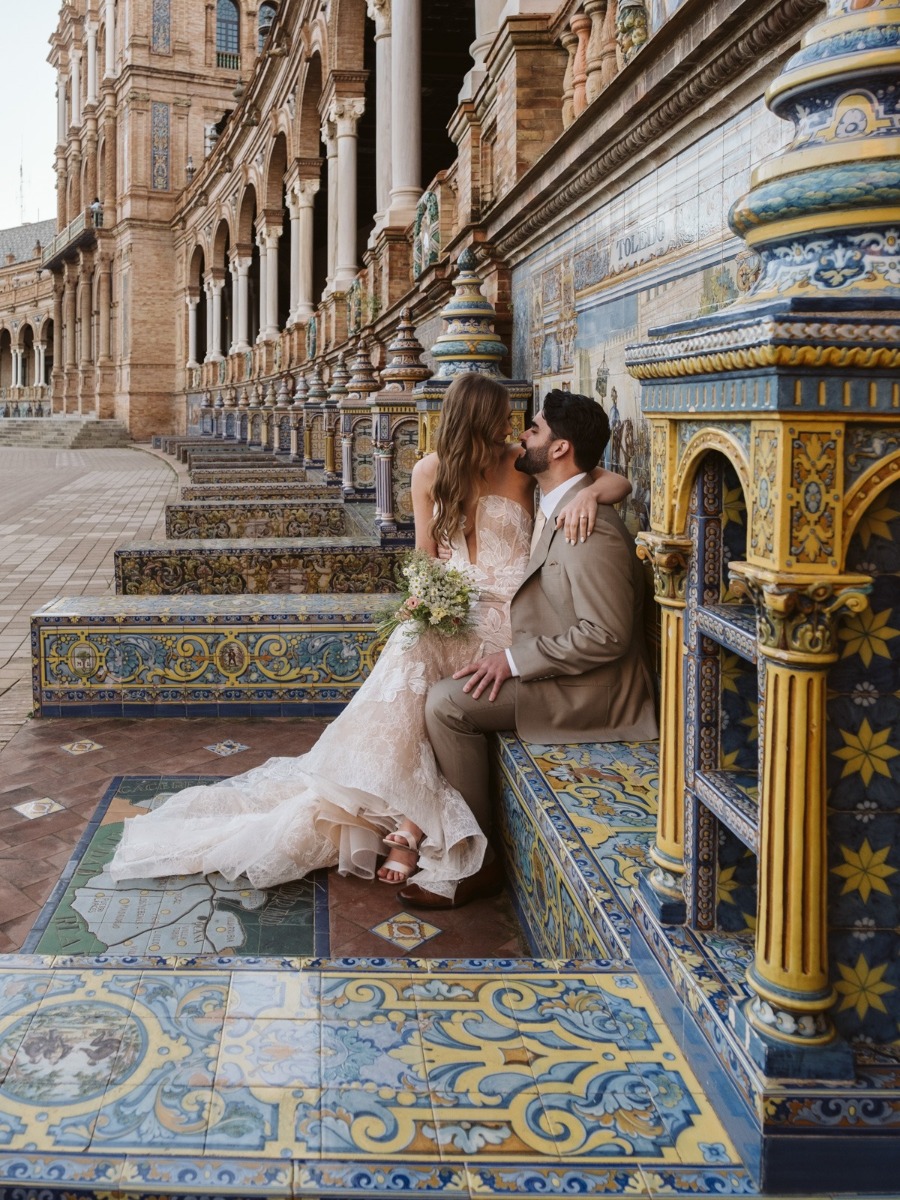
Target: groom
(577, 669)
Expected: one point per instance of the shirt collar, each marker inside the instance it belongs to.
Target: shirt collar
(550, 500)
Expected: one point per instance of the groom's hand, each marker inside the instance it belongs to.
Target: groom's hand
(492, 671)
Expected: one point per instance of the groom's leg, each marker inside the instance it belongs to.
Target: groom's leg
(457, 727)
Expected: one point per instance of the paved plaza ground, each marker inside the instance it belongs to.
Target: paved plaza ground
(62, 513)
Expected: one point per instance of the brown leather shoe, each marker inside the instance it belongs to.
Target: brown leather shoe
(487, 881)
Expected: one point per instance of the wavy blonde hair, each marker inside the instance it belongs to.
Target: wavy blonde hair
(474, 412)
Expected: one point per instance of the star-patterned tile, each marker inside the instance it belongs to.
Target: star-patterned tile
(84, 746)
(405, 931)
(37, 808)
(223, 749)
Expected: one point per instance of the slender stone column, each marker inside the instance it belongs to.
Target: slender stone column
(241, 312)
(294, 214)
(406, 110)
(193, 301)
(16, 367)
(668, 555)
(306, 194)
(90, 30)
(271, 326)
(71, 318)
(263, 282)
(487, 22)
(207, 287)
(346, 118)
(217, 285)
(75, 107)
(39, 360)
(58, 292)
(104, 305)
(797, 622)
(329, 137)
(62, 124)
(110, 13)
(380, 12)
(85, 306)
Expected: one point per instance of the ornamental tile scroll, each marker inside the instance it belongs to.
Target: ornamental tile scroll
(765, 465)
(813, 498)
(159, 146)
(866, 445)
(161, 29)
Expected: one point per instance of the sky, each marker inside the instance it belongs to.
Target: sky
(27, 113)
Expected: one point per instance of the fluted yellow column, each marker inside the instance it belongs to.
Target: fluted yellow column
(797, 622)
(668, 555)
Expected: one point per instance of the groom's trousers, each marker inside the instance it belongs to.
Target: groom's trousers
(457, 727)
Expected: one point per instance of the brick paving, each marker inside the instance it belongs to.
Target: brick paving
(62, 513)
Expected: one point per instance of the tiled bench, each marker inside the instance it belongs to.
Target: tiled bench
(197, 456)
(247, 519)
(576, 824)
(276, 472)
(181, 656)
(299, 490)
(250, 565)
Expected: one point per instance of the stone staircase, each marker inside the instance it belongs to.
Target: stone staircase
(64, 433)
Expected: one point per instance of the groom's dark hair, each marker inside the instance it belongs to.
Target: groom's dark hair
(581, 421)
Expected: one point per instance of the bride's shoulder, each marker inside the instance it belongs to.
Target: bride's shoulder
(425, 469)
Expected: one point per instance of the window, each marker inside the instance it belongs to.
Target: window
(266, 17)
(228, 35)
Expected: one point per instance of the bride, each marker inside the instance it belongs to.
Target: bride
(371, 779)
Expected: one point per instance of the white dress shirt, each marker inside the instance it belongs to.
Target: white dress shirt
(549, 501)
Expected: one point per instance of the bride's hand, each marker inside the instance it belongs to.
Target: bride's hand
(578, 518)
(443, 552)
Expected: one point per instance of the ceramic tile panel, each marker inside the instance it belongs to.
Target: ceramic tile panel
(273, 474)
(248, 566)
(249, 519)
(224, 490)
(139, 654)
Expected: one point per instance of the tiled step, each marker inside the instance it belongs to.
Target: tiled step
(194, 456)
(250, 565)
(183, 656)
(276, 518)
(261, 491)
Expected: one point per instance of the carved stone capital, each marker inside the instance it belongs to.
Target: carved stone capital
(797, 617)
(668, 555)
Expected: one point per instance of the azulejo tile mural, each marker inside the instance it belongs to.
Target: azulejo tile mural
(863, 778)
(118, 654)
(242, 566)
(414, 1066)
(277, 518)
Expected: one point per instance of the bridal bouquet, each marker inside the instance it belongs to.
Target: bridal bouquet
(435, 596)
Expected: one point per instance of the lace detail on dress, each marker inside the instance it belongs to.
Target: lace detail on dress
(370, 767)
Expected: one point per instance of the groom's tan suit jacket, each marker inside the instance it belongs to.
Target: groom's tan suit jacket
(578, 638)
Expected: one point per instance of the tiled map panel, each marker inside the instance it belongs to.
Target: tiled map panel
(259, 491)
(248, 565)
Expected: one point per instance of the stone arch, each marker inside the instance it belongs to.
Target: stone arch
(246, 218)
(709, 438)
(221, 243)
(196, 280)
(26, 339)
(865, 491)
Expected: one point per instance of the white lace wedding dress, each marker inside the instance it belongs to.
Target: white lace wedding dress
(370, 767)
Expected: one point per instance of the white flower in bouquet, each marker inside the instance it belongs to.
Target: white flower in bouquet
(435, 596)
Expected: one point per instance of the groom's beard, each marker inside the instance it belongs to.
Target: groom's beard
(534, 460)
